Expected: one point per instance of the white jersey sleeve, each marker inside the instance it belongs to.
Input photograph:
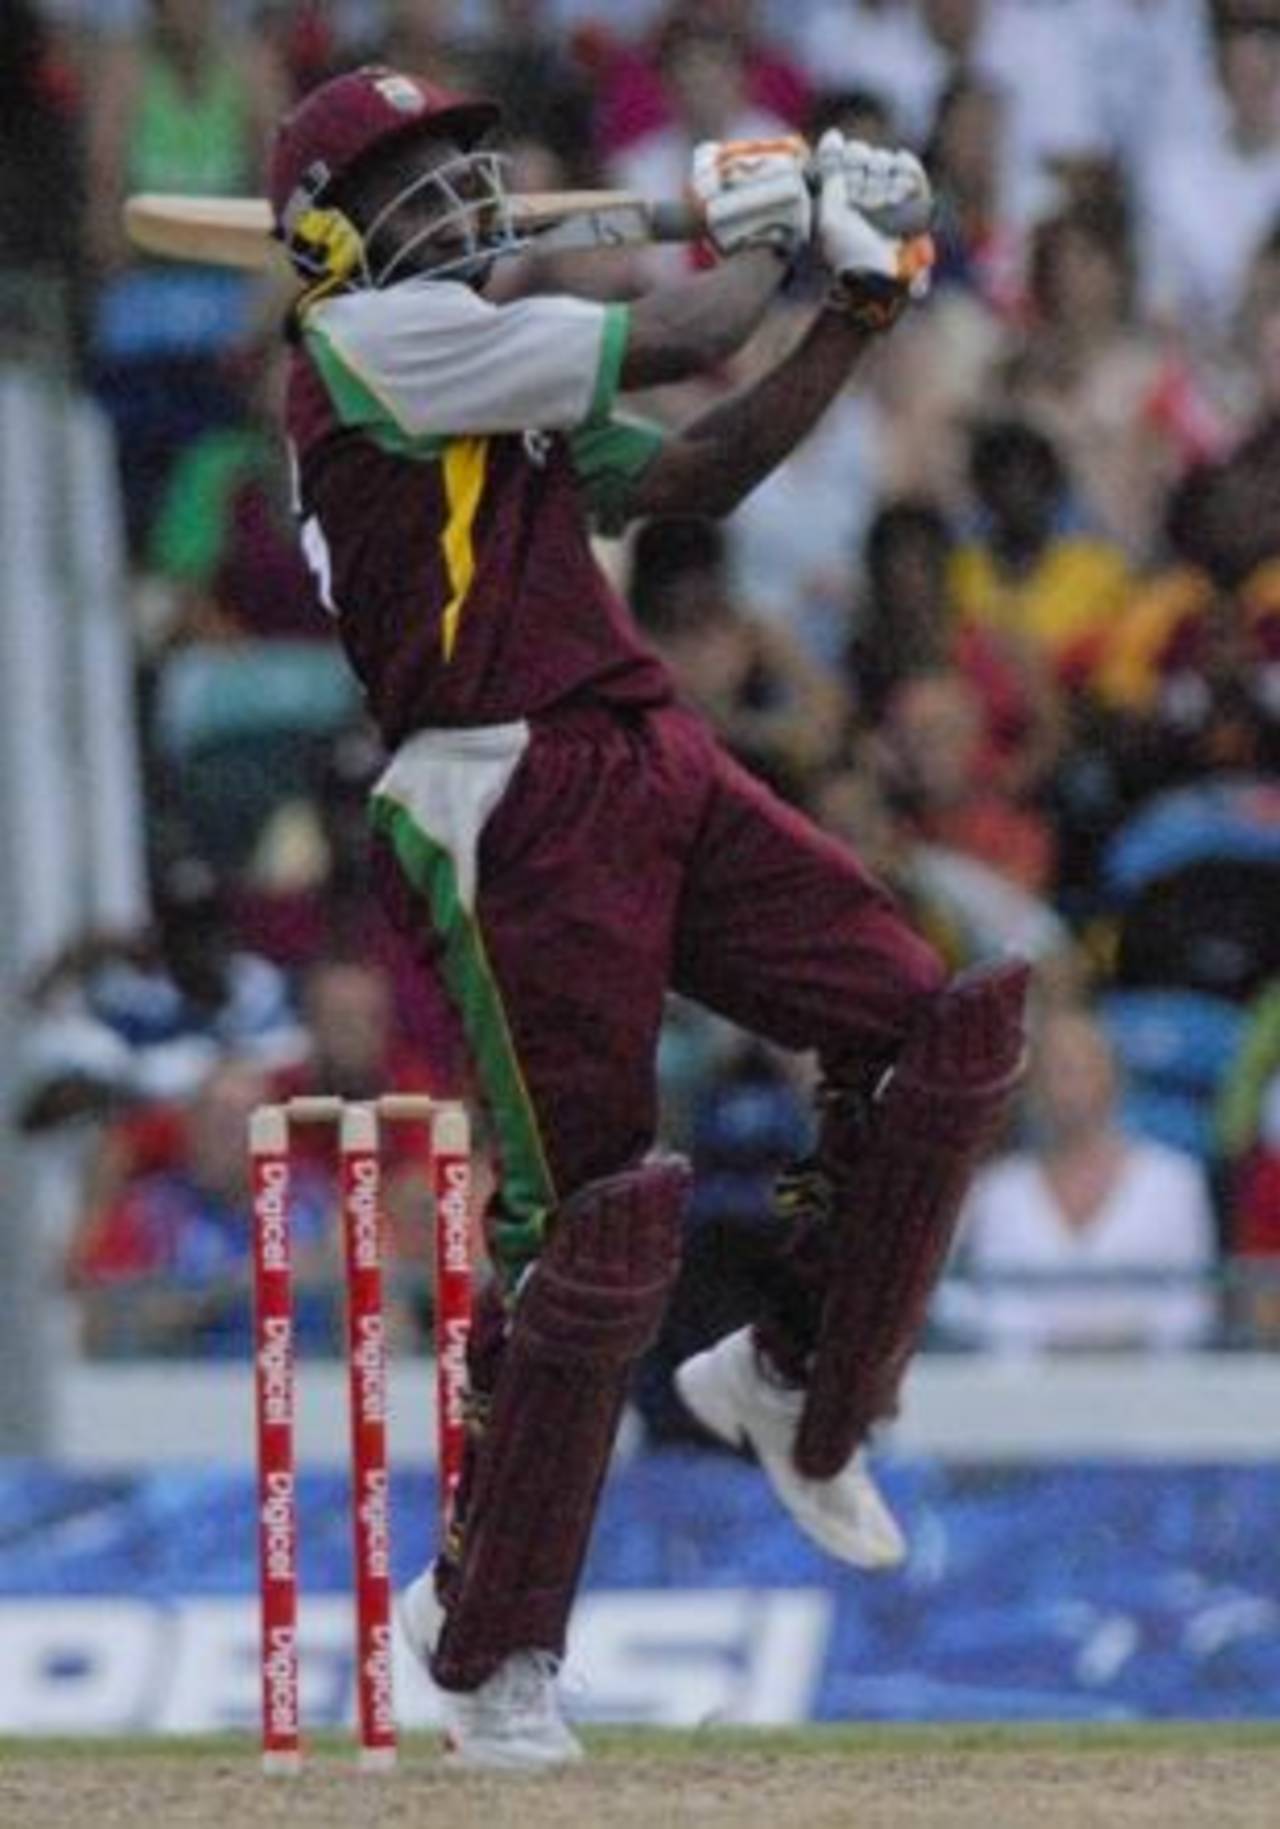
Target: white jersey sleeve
(439, 361)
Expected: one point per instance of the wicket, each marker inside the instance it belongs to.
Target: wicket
(360, 1180)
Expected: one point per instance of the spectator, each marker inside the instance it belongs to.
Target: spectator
(858, 113)
(303, 38)
(1209, 200)
(640, 90)
(912, 50)
(145, 1016)
(323, 907)
(771, 705)
(877, 44)
(355, 1050)
(422, 36)
(1036, 60)
(1047, 591)
(907, 626)
(1195, 661)
(1249, 1137)
(929, 391)
(225, 537)
(849, 801)
(1150, 69)
(245, 690)
(935, 379)
(178, 107)
(1119, 401)
(357, 1053)
(1086, 1202)
(904, 620)
(165, 1265)
(706, 82)
(1247, 374)
(543, 94)
(968, 911)
(306, 907)
(980, 245)
(1189, 884)
(83, 22)
(41, 188)
(797, 536)
(929, 747)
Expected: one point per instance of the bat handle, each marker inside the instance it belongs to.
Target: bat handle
(676, 221)
(682, 221)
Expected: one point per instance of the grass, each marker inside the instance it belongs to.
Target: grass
(851, 1740)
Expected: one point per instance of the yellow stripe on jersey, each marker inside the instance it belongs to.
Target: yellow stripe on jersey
(465, 460)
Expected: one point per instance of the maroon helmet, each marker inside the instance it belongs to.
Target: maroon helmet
(337, 124)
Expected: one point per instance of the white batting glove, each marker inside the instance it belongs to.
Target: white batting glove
(873, 212)
(753, 193)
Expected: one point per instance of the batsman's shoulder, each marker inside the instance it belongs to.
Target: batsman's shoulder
(385, 341)
(408, 308)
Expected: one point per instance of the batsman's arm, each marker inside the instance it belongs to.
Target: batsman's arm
(716, 460)
(690, 326)
(754, 203)
(876, 266)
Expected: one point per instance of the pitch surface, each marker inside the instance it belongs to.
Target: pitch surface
(963, 1778)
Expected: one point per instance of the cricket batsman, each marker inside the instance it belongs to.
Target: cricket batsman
(567, 842)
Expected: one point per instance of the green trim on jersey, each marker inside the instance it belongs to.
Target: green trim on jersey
(359, 405)
(608, 458)
(613, 347)
(528, 1193)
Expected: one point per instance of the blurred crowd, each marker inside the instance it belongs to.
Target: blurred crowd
(1009, 622)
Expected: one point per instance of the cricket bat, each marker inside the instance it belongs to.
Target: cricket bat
(236, 231)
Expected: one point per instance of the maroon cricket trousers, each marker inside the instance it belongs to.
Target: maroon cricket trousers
(630, 856)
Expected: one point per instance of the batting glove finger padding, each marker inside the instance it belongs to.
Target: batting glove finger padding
(891, 187)
(753, 193)
(876, 271)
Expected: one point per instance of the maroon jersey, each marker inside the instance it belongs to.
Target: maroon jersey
(452, 459)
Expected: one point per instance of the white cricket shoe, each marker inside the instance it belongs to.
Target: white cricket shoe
(726, 1391)
(512, 1723)
(421, 1616)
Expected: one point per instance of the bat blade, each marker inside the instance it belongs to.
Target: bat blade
(218, 231)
